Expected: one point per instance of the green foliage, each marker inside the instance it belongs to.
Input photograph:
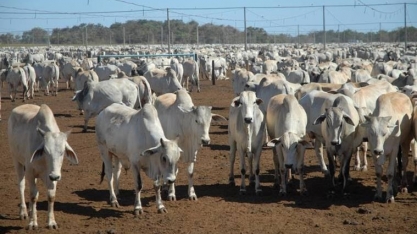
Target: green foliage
(155, 32)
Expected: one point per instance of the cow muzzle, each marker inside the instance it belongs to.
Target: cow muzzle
(288, 166)
(54, 177)
(378, 152)
(205, 141)
(334, 143)
(248, 120)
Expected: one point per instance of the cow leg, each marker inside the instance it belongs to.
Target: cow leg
(108, 170)
(345, 165)
(364, 165)
(137, 210)
(171, 190)
(332, 170)
(300, 169)
(378, 173)
(283, 172)
(357, 165)
(34, 194)
(191, 192)
(157, 187)
(86, 118)
(251, 172)
(117, 168)
(391, 174)
(257, 159)
(51, 201)
(405, 148)
(23, 213)
(11, 92)
(318, 148)
(414, 153)
(242, 154)
(232, 157)
(276, 166)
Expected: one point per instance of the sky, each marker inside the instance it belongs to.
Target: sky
(274, 16)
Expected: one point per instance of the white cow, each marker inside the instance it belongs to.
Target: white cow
(81, 77)
(50, 77)
(104, 72)
(135, 139)
(163, 81)
(16, 76)
(389, 132)
(246, 135)
(38, 148)
(180, 118)
(240, 77)
(191, 71)
(31, 79)
(286, 122)
(178, 68)
(95, 96)
(339, 126)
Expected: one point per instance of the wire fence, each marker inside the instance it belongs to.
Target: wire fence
(292, 21)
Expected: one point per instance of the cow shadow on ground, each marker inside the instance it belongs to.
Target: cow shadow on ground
(219, 147)
(316, 198)
(62, 115)
(84, 208)
(89, 128)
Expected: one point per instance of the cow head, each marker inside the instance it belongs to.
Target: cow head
(335, 119)
(248, 102)
(167, 154)
(292, 147)
(199, 121)
(53, 149)
(378, 129)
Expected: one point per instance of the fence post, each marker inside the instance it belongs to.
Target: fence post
(405, 26)
(213, 78)
(324, 28)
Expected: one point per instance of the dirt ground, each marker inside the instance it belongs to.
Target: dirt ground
(82, 202)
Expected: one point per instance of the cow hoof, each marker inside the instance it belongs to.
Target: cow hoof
(162, 210)
(138, 212)
(53, 225)
(282, 194)
(32, 226)
(356, 168)
(391, 200)
(404, 190)
(378, 198)
(172, 198)
(232, 183)
(364, 168)
(193, 198)
(23, 216)
(115, 204)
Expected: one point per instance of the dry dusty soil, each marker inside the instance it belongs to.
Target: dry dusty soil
(82, 202)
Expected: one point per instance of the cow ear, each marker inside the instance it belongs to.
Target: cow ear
(38, 153)
(218, 118)
(348, 119)
(70, 154)
(236, 103)
(258, 101)
(319, 119)
(188, 110)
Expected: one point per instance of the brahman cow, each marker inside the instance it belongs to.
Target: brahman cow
(38, 149)
(163, 81)
(135, 139)
(246, 135)
(286, 122)
(389, 132)
(180, 118)
(16, 76)
(95, 96)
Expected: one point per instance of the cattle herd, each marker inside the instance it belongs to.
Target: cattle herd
(345, 100)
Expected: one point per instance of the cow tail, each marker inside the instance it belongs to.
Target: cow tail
(102, 173)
